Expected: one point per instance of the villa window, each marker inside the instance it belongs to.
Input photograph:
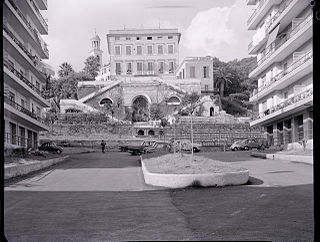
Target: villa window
(117, 50)
(138, 38)
(149, 38)
(160, 49)
(170, 37)
(171, 67)
(12, 97)
(170, 49)
(129, 68)
(128, 38)
(118, 68)
(38, 111)
(139, 67)
(128, 50)
(149, 48)
(159, 37)
(150, 67)
(22, 102)
(161, 67)
(139, 50)
(206, 72)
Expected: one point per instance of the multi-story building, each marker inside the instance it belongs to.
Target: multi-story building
(143, 52)
(24, 78)
(284, 70)
(199, 68)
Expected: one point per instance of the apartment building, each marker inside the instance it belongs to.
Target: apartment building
(24, 73)
(135, 52)
(283, 43)
(198, 68)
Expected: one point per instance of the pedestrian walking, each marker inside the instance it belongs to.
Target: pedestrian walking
(103, 145)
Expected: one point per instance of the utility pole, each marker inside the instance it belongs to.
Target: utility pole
(191, 134)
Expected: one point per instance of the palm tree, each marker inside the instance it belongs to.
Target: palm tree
(222, 78)
(65, 69)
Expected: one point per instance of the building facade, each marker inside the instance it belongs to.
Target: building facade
(283, 43)
(199, 68)
(24, 73)
(143, 52)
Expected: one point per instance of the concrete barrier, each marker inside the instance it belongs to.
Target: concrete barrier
(13, 170)
(185, 180)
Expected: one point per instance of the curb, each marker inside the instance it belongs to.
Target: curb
(23, 169)
(185, 180)
(293, 158)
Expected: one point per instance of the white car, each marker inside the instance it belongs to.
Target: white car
(185, 145)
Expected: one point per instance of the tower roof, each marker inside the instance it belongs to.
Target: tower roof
(96, 37)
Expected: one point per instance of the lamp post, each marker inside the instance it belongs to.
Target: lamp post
(118, 119)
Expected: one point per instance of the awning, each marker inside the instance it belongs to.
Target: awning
(273, 35)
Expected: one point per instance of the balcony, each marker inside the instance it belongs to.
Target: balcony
(43, 4)
(261, 9)
(23, 115)
(33, 61)
(37, 41)
(25, 87)
(279, 49)
(294, 72)
(259, 38)
(35, 15)
(290, 106)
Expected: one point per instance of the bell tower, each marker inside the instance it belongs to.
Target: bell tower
(95, 48)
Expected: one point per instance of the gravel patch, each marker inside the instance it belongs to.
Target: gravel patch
(187, 164)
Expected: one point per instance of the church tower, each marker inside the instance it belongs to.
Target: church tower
(96, 51)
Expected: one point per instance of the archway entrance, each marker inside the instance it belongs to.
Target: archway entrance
(140, 106)
(211, 111)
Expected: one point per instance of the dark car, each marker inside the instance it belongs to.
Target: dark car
(248, 144)
(51, 147)
(145, 143)
(143, 148)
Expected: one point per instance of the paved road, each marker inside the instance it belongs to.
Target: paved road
(99, 197)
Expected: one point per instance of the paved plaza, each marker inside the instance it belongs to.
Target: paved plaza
(100, 197)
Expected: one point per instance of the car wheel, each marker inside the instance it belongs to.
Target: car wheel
(58, 151)
(246, 148)
(235, 149)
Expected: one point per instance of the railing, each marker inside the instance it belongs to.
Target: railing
(285, 72)
(35, 60)
(282, 7)
(287, 102)
(261, 3)
(34, 32)
(288, 36)
(39, 14)
(21, 77)
(22, 109)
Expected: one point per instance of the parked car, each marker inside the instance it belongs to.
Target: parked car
(65, 144)
(147, 146)
(51, 147)
(185, 146)
(248, 144)
(145, 143)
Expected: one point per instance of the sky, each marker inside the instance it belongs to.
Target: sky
(208, 27)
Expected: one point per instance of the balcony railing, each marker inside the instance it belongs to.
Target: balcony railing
(34, 59)
(38, 13)
(287, 102)
(288, 36)
(22, 109)
(261, 3)
(22, 78)
(282, 7)
(285, 72)
(33, 31)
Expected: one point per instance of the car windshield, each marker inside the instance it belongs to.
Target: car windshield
(238, 142)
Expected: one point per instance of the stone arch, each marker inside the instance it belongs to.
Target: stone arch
(174, 100)
(141, 108)
(147, 98)
(151, 132)
(140, 132)
(105, 101)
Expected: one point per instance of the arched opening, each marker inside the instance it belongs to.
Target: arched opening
(211, 111)
(140, 106)
(174, 100)
(106, 102)
(150, 132)
(73, 110)
(140, 132)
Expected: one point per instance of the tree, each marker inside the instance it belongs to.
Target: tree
(222, 77)
(190, 101)
(156, 111)
(92, 66)
(65, 69)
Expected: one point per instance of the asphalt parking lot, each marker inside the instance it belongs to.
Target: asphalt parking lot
(99, 197)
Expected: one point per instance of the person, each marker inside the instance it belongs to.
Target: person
(103, 145)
